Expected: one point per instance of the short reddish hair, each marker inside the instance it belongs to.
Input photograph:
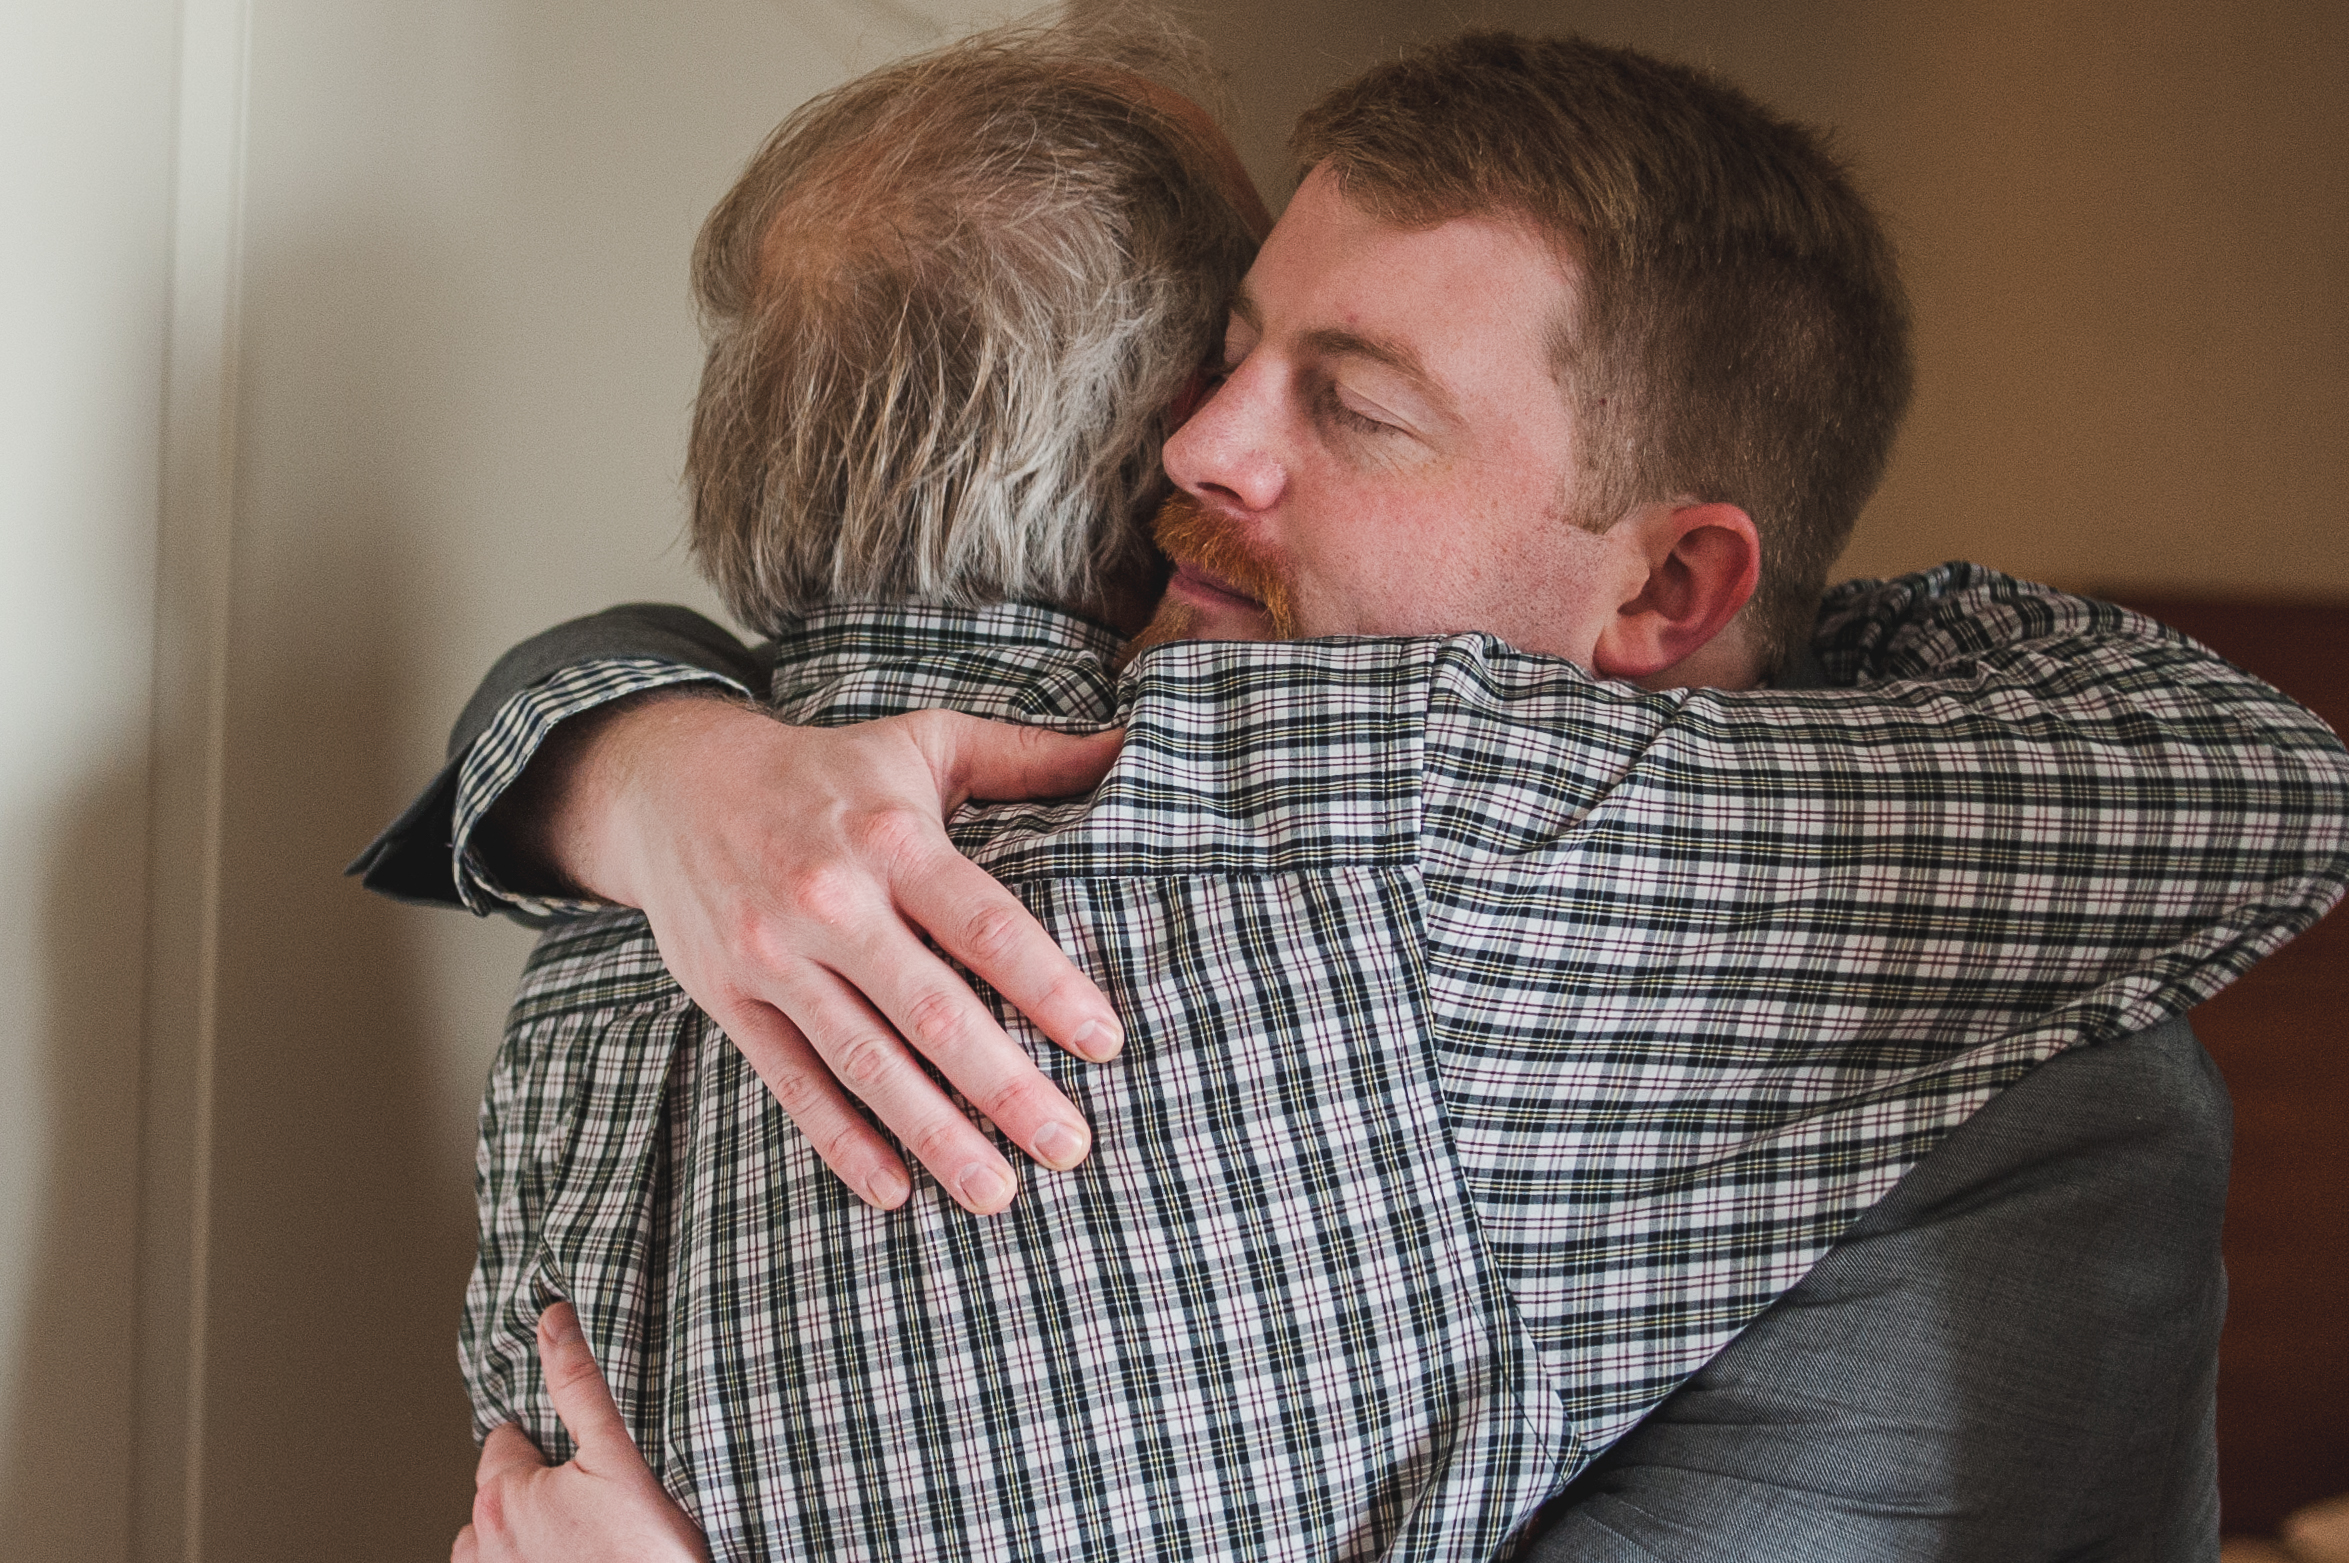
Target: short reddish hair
(1742, 334)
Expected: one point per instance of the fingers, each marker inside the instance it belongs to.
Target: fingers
(804, 1087)
(1003, 760)
(985, 927)
(778, 869)
(876, 962)
(603, 1505)
(972, 917)
(873, 1063)
(935, 1011)
(507, 1451)
(582, 1399)
(978, 922)
(820, 1048)
(863, 1055)
(508, 1458)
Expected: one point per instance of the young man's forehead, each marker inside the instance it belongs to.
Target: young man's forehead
(1384, 286)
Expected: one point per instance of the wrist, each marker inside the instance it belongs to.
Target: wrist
(562, 827)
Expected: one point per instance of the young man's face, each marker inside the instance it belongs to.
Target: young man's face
(1389, 452)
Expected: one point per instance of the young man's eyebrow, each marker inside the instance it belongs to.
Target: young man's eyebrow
(1336, 342)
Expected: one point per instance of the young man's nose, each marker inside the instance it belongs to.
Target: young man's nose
(1224, 453)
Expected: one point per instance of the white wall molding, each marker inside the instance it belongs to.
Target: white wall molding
(194, 550)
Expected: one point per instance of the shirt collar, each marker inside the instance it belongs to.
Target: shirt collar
(826, 642)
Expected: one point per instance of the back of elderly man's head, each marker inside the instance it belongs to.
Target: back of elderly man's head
(948, 305)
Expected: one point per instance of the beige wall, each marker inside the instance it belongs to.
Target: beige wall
(466, 357)
(2126, 231)
(85, 177)
(348, 343)
(345, 345)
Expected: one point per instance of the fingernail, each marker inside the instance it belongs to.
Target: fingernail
(1060, 1145)
(561, 1325)
(982, 1187)
(887, 1188)
(1099, 1040)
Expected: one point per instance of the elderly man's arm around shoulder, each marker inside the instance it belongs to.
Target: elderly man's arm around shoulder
(790, 875)
(2118, 815)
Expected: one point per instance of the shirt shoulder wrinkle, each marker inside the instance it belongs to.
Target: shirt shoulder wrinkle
(1522, 747)
(1930, 623)
(1020, 662)
(604, 962)
(1962, 639)
(1239, 758)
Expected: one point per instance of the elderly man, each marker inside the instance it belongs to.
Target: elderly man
(1500, 1040)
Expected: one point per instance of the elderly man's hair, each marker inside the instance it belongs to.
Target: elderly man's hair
(1740, 333)
(947, 306)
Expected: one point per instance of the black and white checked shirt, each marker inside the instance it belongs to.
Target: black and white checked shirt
(1500, 1042)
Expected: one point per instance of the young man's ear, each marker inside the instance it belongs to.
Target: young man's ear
(1703, 564)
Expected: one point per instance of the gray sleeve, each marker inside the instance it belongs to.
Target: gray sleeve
(2012, 1357)
(413, 858)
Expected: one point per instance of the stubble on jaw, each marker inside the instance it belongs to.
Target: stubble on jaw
(1187, 532)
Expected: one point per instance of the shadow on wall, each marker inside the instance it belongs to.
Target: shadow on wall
(341, 1216)
(63, 1490)
(335, 1422)
(340, 1241)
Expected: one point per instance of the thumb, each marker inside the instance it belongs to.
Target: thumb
(507, 1451)
(582, 1399)
(1002, 760)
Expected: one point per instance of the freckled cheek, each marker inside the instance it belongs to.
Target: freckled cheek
(1393, 579)
(1323, 566)
(1325, 590)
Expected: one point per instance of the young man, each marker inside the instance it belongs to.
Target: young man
(1501, 1041)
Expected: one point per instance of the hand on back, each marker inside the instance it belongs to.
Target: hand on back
(602, 1506)
(788, 873)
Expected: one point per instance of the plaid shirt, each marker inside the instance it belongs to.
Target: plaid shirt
(1500, 1042)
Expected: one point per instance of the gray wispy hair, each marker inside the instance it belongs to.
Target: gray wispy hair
(947, 306)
